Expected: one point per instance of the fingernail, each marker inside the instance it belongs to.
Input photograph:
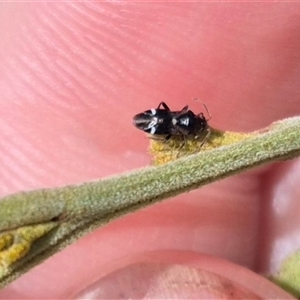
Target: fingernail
(164, 281)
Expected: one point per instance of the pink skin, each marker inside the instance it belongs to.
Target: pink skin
(72, 75)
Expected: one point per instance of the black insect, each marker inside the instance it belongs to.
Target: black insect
(164, 122)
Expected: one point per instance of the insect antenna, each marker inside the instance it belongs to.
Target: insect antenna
(208, 113)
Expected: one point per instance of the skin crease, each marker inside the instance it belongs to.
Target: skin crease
(72, 75)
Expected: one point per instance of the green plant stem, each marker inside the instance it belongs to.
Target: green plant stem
(78, 209)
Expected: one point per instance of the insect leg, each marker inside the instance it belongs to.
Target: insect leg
(181, 146)
(164, 105)
(184, 110)
(206, 137)
(168, 137)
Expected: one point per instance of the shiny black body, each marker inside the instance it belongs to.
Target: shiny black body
(163, 121)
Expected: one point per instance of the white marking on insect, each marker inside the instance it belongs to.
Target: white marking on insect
(153, 111)
(184, 121)
(174, 121)
(152, 124)
(153, 129)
